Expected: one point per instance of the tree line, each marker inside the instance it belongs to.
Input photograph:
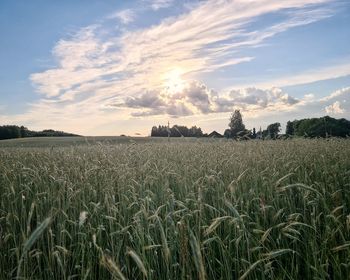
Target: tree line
(319, 127)
(312, 127)
(14, 131)
(176, 131)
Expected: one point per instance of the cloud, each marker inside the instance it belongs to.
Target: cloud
(160, 4)
(262, 98)
(254, 99)
(306, 77)
(79, 61)
(197, 98)
(334, 109)
(198, 95)
(175, 109)
(338, 93)
(125, 16)
(336, 102)
(202, 40)
(96, 68)
(147, 100)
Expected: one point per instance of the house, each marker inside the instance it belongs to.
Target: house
(215, 134)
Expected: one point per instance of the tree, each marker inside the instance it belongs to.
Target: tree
(265, 134)
(236, 123)
(321, 127)
(154, 131)
(290, 128)
(176, 131)
(227, 133)
(24, 131)
(254, 133)
(273, 129)
(195, 132)
(9, 132)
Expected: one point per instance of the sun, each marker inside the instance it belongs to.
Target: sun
(173, 81)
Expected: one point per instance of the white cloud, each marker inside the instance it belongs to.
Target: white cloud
(197, 98)
(94, 70)
(191, 42)
(79, 61)
(125, 16)
(160, 4)
(334, 109)
(315, 75)
(338, 102)
(338, 93)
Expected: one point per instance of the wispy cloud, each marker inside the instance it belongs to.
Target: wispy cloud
(125, 16)
(95, 72)
(343, 92)
(313, 75)
(160, 4)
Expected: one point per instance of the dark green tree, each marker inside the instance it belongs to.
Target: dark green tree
(265, 133)
(154, 131)
(236, 124)
(254, 133)
(227, 133)
(322, 127)
(195, 132)
(273, 129)
(9, 132)
(290, 128)
(176, 131)
(24, 131)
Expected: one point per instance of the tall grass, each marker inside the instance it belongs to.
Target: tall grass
(183, 210)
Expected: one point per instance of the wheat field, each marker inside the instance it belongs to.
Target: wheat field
(184, 209)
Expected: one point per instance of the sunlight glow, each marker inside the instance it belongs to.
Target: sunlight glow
(173, 80)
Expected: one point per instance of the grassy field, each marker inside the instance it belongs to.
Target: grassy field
(42, 142)
(122, 208)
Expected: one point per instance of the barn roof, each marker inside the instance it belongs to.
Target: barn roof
(215, 134)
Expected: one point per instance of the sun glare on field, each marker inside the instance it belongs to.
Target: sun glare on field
(173, 80)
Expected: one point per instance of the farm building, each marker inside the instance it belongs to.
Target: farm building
(215, 134)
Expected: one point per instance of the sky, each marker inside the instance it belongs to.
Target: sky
(109, 67)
